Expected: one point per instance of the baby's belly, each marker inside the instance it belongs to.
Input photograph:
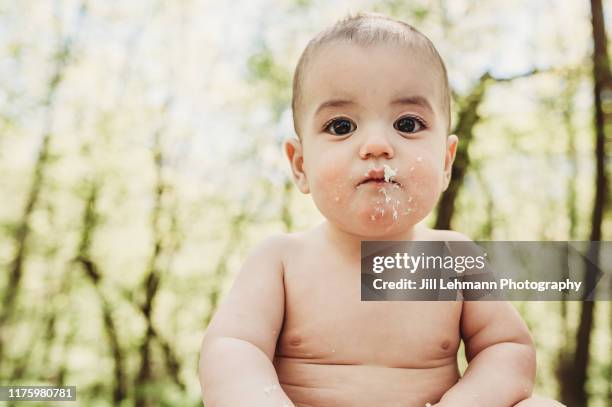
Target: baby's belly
(319, 385)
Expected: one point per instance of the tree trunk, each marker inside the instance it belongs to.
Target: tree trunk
(574, 389)
(152, 279)
(22, 232)
(92, 272)
(467, 120)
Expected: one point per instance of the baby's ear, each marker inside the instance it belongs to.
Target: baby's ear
(295, 154)
(449, 158)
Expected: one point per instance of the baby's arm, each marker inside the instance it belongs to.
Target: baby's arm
(238, 347)
(500, 354)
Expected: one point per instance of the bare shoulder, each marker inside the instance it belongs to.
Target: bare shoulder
(281, 246)
(253, 308)
(280, 251)
(425, 233)
(273, 246)
(451, 235)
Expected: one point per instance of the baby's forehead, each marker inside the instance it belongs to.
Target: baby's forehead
(382, 72)
(366, 32)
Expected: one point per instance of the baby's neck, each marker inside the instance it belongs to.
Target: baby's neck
(349, 244)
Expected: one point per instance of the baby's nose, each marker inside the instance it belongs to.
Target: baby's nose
(376, 146)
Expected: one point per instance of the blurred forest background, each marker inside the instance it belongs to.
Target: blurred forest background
(140, 160)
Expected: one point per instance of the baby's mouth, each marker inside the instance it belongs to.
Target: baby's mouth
(380, 177)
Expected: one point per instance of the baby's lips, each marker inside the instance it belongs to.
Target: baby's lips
(375, 173)
(372, 174)
(378, 174)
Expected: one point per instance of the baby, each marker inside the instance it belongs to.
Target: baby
(371, 109)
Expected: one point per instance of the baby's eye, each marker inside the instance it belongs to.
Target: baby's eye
(408, 124)
(340, 127)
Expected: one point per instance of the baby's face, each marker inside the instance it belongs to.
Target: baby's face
(374, 152)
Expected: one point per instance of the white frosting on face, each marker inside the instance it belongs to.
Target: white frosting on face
(389, 173)
(384, 192)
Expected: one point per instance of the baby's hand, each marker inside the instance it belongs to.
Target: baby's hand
(535, 401)
(270, 390)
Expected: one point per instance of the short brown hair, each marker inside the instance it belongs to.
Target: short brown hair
(369, 29)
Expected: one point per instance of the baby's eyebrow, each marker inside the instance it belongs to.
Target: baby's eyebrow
(413, 100)
(404, 101)
(334, 103)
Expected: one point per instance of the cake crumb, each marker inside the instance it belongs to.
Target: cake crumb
(268, 390)
(384, 192)
(389, 173)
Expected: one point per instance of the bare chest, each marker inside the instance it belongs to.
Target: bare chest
(326, 322)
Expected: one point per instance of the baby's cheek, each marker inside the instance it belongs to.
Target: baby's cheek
(330, 182)
(423, 186)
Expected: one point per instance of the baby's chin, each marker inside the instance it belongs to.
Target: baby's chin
(379, 222)
(376, 216)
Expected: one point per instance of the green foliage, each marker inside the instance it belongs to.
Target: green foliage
(413, 12)
(106, 214)
(275, 80)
